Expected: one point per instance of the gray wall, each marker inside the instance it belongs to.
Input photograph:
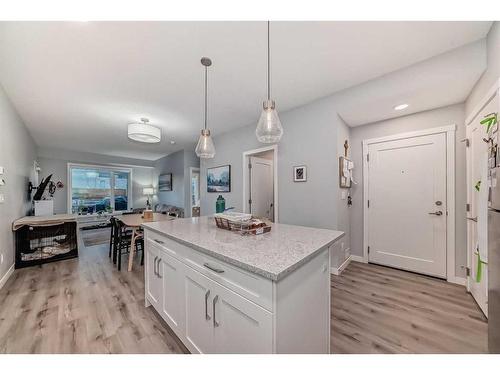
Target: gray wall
(56, 162)
(492, 73)
(424, 120)
(310, 138)
(17, 154)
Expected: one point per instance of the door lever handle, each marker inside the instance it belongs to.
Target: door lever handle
(474, 219)
(437, 213)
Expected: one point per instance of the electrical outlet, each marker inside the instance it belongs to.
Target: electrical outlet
(2, 198)
(341, 246)
(343, 195)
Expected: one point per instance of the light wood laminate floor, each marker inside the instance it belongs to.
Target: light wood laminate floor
(85, 305)
(378, 309)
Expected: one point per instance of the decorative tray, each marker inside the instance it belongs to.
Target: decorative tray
(245, 224)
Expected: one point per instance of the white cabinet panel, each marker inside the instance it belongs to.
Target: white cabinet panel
(240, 326)
(198, 291)
(170, 271)
(153, 282)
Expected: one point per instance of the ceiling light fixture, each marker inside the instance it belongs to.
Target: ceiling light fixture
(400, 107)
(143, 132)
(205, 148)
(269, 129)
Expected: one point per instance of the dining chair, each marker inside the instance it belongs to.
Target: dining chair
(123, 241)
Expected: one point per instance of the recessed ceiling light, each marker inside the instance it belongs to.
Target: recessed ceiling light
(400, 107)
(172, 142)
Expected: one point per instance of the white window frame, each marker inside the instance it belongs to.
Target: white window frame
(107, 168)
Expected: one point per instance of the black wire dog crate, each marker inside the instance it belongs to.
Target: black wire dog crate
(39, 244)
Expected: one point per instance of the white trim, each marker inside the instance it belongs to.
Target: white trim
(458, 280)
(450, 188)
(245, 155)
(338, 270)
(357, 258)
(191, 170)
(98, 166)
(6, 277)
(483, 102)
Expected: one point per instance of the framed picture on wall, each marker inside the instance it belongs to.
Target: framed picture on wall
(219, 179)
(165, 182)
(300, 173)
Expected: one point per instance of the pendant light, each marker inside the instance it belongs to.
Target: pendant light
(143, 132)
(269, 129)
(205, 148)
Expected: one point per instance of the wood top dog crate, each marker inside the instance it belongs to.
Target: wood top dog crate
(47, 239)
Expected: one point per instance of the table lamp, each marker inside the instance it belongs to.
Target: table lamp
(148, 191)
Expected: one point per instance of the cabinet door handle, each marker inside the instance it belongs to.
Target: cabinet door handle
(160, 276)
(216, 298)
(218, 270)
(207, 294)
(158, 241)
(154, 267)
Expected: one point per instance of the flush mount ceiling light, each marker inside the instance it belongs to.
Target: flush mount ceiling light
(400, 107)
(269, 129)
(143, 132)
(205, 148)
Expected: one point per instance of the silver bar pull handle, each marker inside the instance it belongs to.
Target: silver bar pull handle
(218, 270)
(207, 294)
(437, 213)
(154, 267)
(158, 241)
(474, 219)
(216, 324)
(160, 276)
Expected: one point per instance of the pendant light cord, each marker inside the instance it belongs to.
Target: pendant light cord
(206, 94)
(268, 63)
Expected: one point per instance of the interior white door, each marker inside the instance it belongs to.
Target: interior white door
(199, 293)
(477, 228)
(261, 187)
(407, 204)
(240, 326)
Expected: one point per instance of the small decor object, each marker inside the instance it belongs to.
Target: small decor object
(240, 222)
(490, 120)
(165, 182)
(147, 215)
(205, 148)
(220, 204)
(300, 173)
(219, 179)
(148, 192)
(345, 172)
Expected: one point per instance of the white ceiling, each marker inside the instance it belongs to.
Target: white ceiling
(77, 84)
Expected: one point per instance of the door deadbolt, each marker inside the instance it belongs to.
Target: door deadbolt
(439, 203)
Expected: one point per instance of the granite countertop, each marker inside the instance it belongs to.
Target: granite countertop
(271, 255)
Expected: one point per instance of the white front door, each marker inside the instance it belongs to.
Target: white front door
(407, 204)
(261, 188)
(477, 227)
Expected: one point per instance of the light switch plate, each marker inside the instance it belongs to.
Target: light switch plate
(2, 170)
(343, 194)
(2, 198)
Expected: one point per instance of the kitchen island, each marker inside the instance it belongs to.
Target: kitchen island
(222, 292)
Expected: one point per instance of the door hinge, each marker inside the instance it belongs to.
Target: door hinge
(368, 249)
(467, 271)
(368, 203)
(249, 166)
(367, 157)
(466, 141)
(467, 207)
(249, 201)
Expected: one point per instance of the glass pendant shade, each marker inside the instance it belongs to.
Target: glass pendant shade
(269, 129)
(205, 148)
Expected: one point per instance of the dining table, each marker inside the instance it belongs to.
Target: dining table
(135, 221)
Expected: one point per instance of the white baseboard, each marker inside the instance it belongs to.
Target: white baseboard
(357, 258)
(338, 271)
(6, 276)
(457, 280)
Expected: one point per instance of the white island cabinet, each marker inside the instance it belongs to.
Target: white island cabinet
(221, 292)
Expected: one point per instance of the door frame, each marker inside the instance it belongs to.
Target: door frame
(191, 170)
(450, 190)
(245, 156)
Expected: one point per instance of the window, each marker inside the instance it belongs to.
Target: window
(98, 189)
